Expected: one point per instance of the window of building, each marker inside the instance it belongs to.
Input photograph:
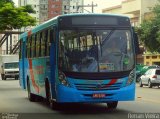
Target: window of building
(65, 7)
(154, 57)
(147, 57)
(53, 6)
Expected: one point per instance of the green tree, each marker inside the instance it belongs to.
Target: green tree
(149, 31)
(12, 17)
(3, 2)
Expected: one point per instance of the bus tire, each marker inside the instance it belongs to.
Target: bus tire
(112, 105)
(3, 77)
(16, 77)
(31, 96)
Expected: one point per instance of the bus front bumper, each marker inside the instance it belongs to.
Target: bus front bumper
(67, 94)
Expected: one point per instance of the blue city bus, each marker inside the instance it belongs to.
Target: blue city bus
(88, 58)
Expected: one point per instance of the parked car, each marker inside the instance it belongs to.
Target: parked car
(10, 70)
(142, 70)
(150, 78)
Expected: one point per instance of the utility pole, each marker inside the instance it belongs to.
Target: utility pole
(92, 6)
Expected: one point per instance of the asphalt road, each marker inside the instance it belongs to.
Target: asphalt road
(14, 103)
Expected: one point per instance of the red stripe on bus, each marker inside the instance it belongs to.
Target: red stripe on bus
(32, 76)
(113, 81)
(29, 33)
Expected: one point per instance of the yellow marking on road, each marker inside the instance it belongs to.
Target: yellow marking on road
(139, 97)
(148, 100)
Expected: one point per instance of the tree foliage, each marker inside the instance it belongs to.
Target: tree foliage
(12, 17)
(3, 2)
(149, 31)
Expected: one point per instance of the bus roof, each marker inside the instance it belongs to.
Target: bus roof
(55, 21)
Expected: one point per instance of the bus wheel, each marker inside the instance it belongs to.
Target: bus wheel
(16, 77)
(3, 77)
(31, 96)
(112, 105)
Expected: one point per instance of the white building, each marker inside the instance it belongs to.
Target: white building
(72, 6)
(40, 6)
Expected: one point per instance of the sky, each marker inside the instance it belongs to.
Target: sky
(101, 4)
(16, 2)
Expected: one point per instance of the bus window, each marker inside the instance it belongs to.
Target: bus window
(33, 46)
(46, 41)
(29, 47)
(43, 37)
(38, 45)
(20, 49)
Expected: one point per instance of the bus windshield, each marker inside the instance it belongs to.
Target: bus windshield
(95, 50)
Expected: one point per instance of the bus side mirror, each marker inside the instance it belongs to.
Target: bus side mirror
(136, 43)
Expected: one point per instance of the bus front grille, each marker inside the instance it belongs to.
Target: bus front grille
(97, 87)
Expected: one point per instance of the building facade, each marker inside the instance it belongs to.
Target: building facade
(9, 42)
(47, 9)
(43, 11)
(59, 7)
(137, 10)
(54, 8)
(40, 6)
(151, 59)
(72, 6)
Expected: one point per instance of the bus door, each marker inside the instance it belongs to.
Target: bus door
(21, 64)
(53, 59)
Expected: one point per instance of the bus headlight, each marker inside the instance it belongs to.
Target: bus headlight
(131, 78)
(62, 78)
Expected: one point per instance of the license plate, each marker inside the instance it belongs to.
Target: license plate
(99, 95)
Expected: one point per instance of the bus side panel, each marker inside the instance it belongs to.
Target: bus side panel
(33, 73)
(39, 74)
(36, 72)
